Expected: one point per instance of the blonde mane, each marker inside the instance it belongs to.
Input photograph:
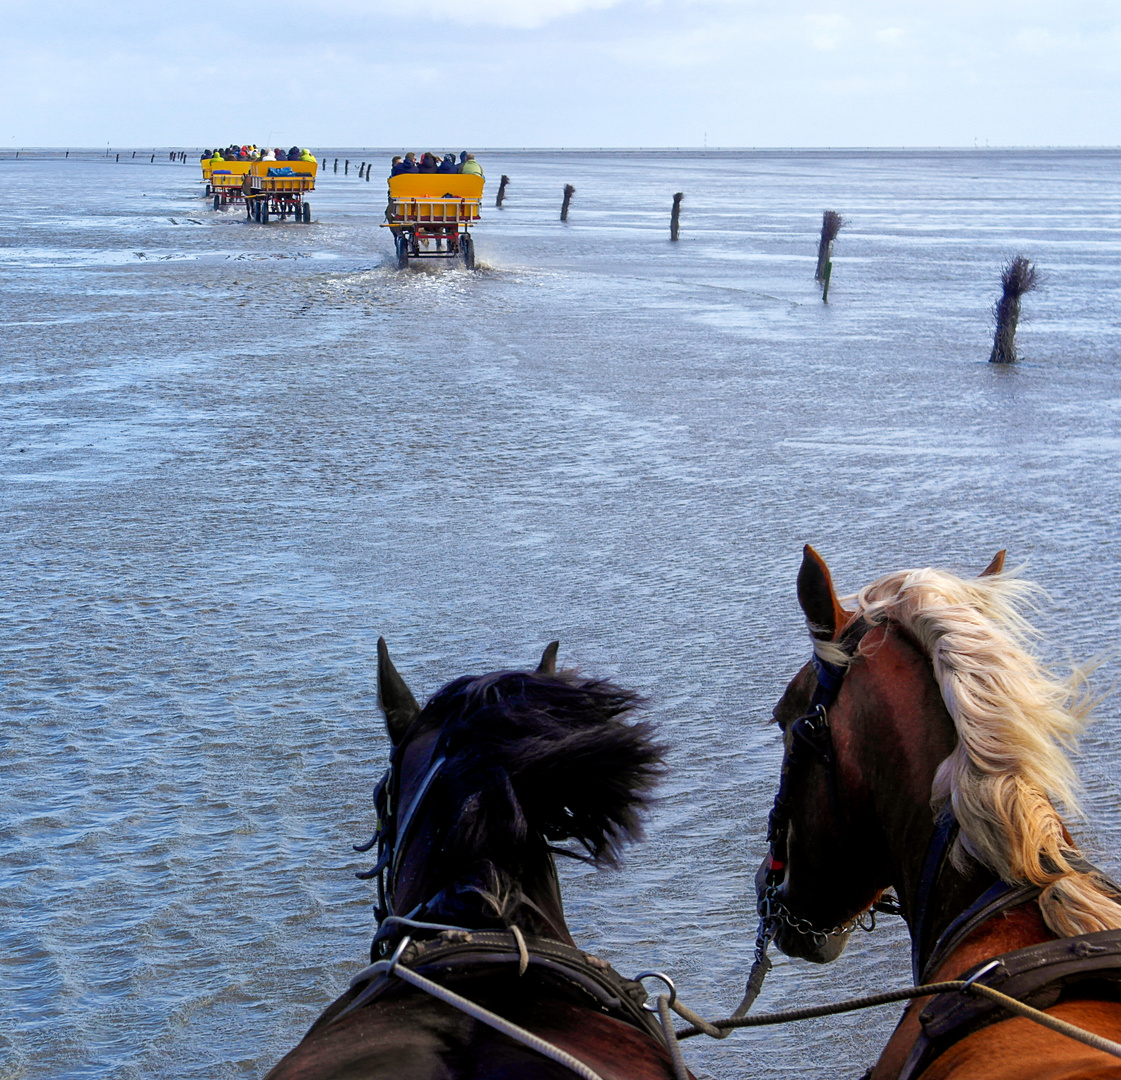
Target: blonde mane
(1014, 722)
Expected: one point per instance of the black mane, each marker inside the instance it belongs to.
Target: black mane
(535, 760)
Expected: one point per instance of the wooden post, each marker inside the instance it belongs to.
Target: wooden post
(336, 164)
(501, 189)
(1017, 278)
(367, 174)
(675, 216)
(831, 223)
(569, 191)
(825, 281)
(346, 167)
(361, 170)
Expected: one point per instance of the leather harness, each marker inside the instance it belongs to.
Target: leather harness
(463, 955)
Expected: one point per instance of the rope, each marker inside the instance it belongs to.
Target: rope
(1098, 1042)
(677, 1059)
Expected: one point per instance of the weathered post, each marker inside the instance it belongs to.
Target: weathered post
(675, 216)
(569, 191)
(134, 155)
(153, 161)
(346, 167)
(1017, 278)
(831, 223)
(367, 174)
(118, 157)
(361, 170)
(501, 190)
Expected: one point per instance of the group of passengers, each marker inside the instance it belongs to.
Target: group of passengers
(434, 163)
(256, 153)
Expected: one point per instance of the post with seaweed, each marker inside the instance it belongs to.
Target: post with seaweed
(1017, 278)
(501, 190)
(675, 215)
(831, 223)
(569, 191)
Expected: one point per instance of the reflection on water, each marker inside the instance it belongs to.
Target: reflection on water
(234, 455)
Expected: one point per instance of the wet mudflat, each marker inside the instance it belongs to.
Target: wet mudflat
(232, 455)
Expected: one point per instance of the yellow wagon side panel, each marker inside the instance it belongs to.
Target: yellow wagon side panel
(238, 168)
(436, 186)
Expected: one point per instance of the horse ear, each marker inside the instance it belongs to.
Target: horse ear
(818, 598)
(395, 699)
(548, 665)
(996, 565)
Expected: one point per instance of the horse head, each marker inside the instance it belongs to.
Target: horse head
(486, 784)
(864, 730)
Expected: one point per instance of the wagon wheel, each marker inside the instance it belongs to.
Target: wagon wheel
(264, 219)
(402, 246)
(208, 189)
(467, 251)
(217, 200)
(307, 213)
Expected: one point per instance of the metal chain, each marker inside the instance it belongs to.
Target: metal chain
(772, 909)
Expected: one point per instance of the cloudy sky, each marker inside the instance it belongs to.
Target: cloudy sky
(571, 73)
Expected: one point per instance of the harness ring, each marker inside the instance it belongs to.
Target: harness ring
(664, 978)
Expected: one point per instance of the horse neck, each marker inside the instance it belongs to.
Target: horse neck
(899, 731)
(459, 894)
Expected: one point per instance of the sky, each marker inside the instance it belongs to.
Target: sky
(561, 73)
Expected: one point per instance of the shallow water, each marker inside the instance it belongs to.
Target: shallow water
(233, 455)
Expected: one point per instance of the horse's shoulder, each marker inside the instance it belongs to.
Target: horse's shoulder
(1004, 1051)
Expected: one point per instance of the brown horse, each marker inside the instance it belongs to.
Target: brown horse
(484, 782)
(924, 751)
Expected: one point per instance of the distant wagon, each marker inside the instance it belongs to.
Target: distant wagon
(430, 215)
(269, 189)
(274, 189)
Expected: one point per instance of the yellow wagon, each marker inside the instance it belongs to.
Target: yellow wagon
(430, 214)
(275, 189)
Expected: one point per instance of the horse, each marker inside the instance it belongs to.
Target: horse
(925, 751)
(484, 786)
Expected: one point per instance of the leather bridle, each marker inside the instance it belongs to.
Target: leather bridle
(391, 837)
(810, 744)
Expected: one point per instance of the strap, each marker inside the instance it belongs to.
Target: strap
(945, 832)
(478, 952)
(995, 899)
(1038, 975)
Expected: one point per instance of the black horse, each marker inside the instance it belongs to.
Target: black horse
(484, 782)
